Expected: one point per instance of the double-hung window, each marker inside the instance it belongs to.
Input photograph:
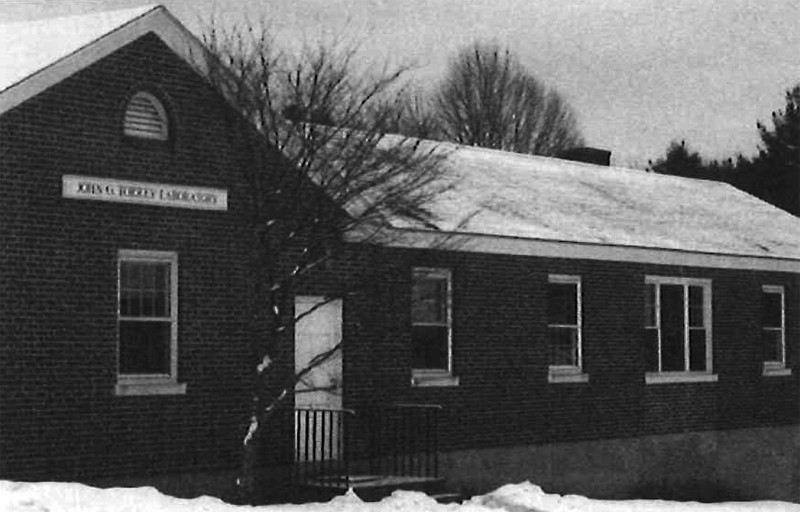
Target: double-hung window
(773, 330)
(678, 342)
(564, 332)
(147, 322)
(431, 327)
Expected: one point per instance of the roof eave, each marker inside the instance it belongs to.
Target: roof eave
(495, 244)
(158, 20)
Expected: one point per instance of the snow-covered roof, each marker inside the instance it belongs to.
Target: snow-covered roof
(500, 195)
(497, 197)
(38, 54)
(33, 45)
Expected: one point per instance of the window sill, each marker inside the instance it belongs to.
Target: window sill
(149, 388)
(427, 379)
(776, 371)
(571, 376)
(679, 377)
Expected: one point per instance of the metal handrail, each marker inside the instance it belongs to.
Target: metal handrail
(320, 444)
(404, 439)
(392, 440)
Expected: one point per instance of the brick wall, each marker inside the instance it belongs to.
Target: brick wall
(500, 353)
(59, 417)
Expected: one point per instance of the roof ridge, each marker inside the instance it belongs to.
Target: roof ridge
(578, 164)
(70, 43)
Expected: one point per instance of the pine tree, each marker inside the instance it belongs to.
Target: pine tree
(679, 161)
(777, 166)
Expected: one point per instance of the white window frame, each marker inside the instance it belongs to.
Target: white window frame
(435, 377)
(569, 373)
(154, 384)
(708, 375)
(163, 133)
(777, 368)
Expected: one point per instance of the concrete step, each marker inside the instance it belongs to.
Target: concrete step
(448, 497)
(372, 487)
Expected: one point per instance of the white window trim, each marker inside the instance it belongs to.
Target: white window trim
(569, 373)
(662, 377)
(677, 377)
(777, 368)
(436, 377)
(149, 388)
(776, 372)
(433, 378)
(573, 376)
(154, 384)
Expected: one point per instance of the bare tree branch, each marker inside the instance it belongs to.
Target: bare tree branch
(318, 164)
(487, 98)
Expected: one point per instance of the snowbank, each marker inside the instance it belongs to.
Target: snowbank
(524, 497)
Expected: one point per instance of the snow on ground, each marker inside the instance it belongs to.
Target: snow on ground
(524, 497)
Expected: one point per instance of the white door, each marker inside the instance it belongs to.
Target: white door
(317, 433)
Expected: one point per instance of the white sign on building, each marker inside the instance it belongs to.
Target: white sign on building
(157, 194)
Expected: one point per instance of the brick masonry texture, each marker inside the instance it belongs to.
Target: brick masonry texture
(60, 419)
(59, 416)
(500, 354)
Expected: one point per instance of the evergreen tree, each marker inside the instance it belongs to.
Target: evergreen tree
(776, 169)
(773, 175)
(679, 161)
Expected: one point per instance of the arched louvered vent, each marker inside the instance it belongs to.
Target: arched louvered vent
(146, 118)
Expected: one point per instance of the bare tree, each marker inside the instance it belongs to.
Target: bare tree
(411, 114)
(489, 99)
(319, 166)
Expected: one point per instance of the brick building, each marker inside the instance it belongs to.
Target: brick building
(595, 330)
(612, 331)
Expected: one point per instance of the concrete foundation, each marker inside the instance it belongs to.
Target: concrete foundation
(749, 464)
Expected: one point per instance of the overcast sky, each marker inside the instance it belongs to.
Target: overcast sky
(639, 73)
